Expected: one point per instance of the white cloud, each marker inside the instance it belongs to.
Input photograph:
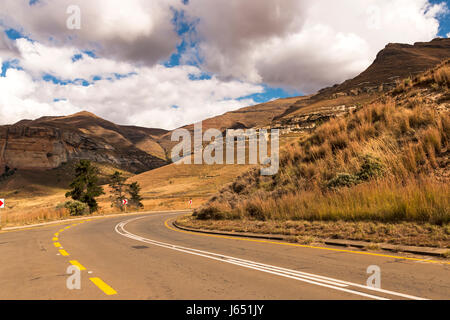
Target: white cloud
(7, 48)
(132, 30)
(448, 35)
(306, 44)
(300, 44)
(147, 98)
(39, 59)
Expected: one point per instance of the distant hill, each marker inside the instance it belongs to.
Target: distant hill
(392, 64)
(49, 142)
(396, 61)
(248, 117)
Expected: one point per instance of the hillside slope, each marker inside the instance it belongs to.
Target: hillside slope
(387, 161)
(248, 117)
(395, 62)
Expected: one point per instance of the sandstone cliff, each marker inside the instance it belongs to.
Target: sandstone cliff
(48, 142)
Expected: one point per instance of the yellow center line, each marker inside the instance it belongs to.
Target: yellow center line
(57, 244)
(77, 264)
(166, 223)
(103, 286)
(55, 239)
(97, 281)
(63, 253)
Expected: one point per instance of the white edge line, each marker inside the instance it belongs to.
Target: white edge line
(293, 274)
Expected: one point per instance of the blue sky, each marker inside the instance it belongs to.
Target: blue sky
(184, 30)
(444, 20)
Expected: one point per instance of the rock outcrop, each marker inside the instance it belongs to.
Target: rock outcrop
(49, 142)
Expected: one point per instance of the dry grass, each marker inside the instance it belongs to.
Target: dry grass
(384, 201)
(439, 76)
(306, 232)
(326, 176)
(33, 216)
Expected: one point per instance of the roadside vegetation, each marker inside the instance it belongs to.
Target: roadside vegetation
(85, 190)
(121, 191)
(386, 162)
(85, 187)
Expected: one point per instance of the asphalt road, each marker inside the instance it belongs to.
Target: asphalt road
(144, 257)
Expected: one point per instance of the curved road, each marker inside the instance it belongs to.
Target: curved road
(145, 257)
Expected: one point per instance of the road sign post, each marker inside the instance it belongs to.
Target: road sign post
(2, 206)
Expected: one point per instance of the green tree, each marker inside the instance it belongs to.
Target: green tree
(134, 190)
(117, 185)
(85, 187)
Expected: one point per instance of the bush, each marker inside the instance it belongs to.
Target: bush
(8, 173)
(76, 208)
(208, 213)
(371, 168)
(255, 212)
(343, 180)
(237, 187)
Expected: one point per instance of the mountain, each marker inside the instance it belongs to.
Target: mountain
(396, 61)
(388, 160)
(49, 142)
(247, 117)
(392, 64)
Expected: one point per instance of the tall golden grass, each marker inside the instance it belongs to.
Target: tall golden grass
(385, 201)
(407, 135)
(33, 216)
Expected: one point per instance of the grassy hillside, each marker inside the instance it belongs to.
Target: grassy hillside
(387, 161)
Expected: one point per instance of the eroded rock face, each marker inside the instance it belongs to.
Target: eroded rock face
(42, 145)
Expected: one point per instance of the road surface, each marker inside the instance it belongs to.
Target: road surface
(145, 257)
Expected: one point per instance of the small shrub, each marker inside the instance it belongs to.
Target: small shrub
(343, 180)
(237, 187)
(76, 208)
(8, 173)
(255, 212)
(371, 168)
(208, 213)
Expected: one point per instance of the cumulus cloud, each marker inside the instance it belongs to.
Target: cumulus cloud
(295, 44)
(132, 30)
(149, 96)
(7, 48)
(66, 63)
(305, 44)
